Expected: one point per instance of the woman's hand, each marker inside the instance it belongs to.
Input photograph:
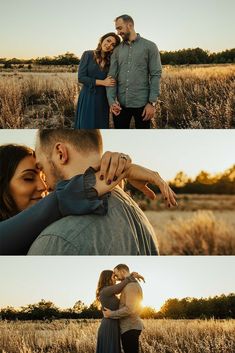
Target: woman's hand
(113, 165)
(109, 82)
(111, 171)
(139, 177)
(138, 276)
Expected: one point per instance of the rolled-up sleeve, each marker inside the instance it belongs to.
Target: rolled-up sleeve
(113, 71)
(155, 72)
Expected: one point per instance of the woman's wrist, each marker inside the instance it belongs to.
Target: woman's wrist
(99, 83)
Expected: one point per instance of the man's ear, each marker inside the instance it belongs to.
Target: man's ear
(60, 152)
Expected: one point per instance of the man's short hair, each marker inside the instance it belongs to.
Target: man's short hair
(83, 140)
(125, 18)
(122, 267)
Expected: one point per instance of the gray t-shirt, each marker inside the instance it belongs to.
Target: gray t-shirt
(124, 230)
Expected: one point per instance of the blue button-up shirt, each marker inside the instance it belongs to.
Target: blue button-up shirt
(136, 66)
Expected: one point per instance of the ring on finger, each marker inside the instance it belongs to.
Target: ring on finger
(123, 156)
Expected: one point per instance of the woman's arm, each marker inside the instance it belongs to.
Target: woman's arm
(76, 196)
(91, 81)
(83, 71)
(117, 288)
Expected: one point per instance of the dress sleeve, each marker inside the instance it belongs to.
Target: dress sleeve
(117, 288)
(83, 71)
(76, 196)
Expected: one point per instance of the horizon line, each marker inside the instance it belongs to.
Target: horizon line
(161, 51)
(145, 306)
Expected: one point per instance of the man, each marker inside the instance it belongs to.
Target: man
(62, 154)
(128, 312)
(136, 66)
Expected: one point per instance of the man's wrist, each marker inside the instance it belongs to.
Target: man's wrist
(153, 104)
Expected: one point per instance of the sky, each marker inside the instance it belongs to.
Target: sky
(32, 28)
(165, 151)
(64, 280)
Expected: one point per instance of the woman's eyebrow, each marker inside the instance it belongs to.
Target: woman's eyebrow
(29, 170)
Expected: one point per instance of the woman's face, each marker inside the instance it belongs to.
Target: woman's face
(27, 186)
(108, 44)
(113, 279)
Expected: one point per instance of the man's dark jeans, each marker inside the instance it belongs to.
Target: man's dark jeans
(122, 121)
(130, 341)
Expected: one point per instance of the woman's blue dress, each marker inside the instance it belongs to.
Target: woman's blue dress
(93, 108)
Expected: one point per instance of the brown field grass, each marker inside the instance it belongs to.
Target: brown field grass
(201, 225)
(159, 336)
(191, 97)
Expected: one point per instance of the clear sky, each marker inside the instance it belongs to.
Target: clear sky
(166, 151)
(64, 280)
(31, 28)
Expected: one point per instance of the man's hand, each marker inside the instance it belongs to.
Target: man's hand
(115, 108)
(148, 112)
(139, 177)
(107, 312)
(113, 165)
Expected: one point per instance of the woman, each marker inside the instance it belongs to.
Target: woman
(23, 208)
(93, 108)
(106, 293)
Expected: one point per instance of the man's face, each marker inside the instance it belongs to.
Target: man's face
(119, 274)
(123, 29)
(45, 163)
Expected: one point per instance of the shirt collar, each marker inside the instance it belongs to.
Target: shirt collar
(133, 41)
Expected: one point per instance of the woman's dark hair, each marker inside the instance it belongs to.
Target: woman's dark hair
(97, 52)
(104, 280)
(10, 156)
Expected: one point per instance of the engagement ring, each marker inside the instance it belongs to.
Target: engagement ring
(123, 156)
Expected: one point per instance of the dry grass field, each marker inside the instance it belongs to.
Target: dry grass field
(159, 336)
(201, 225)
(191, 97)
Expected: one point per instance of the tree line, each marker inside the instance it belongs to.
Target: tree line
(204, 183)
(218, 307)
(178, 57)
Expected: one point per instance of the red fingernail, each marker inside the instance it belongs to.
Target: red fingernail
(109, 182)
(101, 177)
(115, 178)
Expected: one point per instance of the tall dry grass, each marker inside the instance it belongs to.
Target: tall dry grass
(201, 234)
(36, 101)
(197, 97)
(159, 336)
(191, 97)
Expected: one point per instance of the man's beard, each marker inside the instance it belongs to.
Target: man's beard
(126, 37)
(56, 174)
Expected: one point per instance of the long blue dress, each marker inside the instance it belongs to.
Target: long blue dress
(93, 108)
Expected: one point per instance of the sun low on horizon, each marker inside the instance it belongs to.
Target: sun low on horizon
(65, 280)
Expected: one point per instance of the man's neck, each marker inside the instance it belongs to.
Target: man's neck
(79, 164)
(132, 37)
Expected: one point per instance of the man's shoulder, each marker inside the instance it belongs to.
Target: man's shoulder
(135, 286)
(148, 42)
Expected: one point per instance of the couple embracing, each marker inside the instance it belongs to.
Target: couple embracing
(121, 322)
(119, 77)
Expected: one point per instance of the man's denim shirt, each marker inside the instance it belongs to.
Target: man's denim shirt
(124, 230)
(136, 66)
